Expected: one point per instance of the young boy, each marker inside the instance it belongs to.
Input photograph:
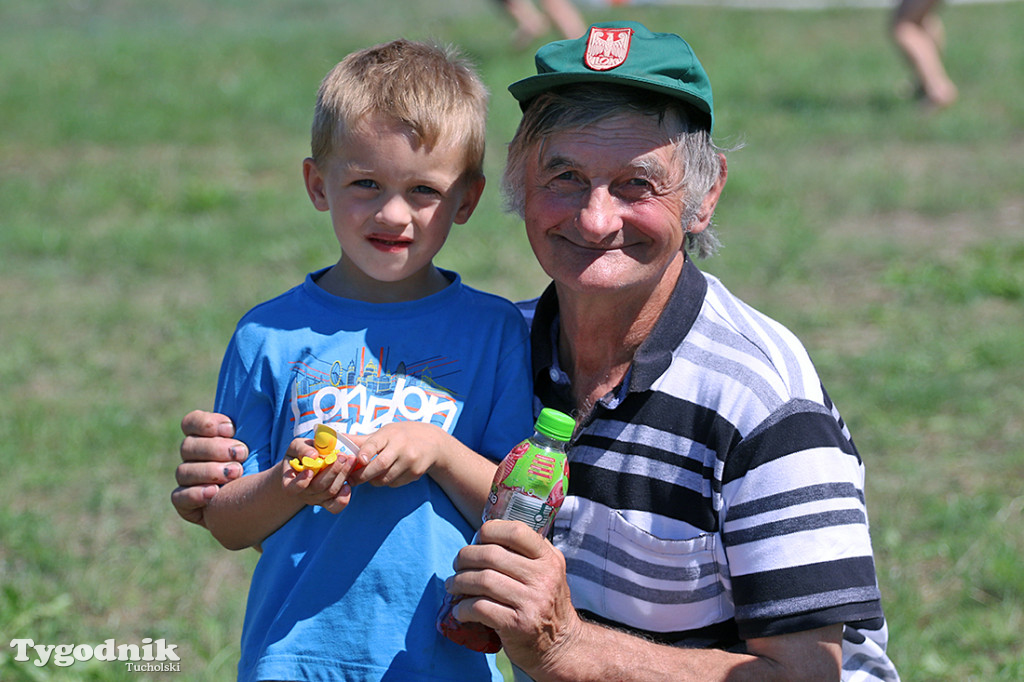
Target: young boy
(382, 343)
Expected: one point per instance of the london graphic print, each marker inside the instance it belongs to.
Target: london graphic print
(361, 393)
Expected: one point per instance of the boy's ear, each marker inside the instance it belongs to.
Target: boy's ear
(470, 198)
(315, 184)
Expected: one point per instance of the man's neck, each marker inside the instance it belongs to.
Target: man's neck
(600, 334)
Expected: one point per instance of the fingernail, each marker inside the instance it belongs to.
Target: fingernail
(236, 452)
(232, 471)
(225, 429)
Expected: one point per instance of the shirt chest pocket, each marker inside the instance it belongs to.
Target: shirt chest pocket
(664, 585)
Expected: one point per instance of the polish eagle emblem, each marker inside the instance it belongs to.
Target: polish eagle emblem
(607, 47)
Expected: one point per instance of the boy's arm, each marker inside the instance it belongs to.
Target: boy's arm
(465, 476)
(248, 509)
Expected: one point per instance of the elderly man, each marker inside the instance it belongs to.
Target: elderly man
(715, 526)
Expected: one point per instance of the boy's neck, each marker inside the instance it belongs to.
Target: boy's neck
(347, 281)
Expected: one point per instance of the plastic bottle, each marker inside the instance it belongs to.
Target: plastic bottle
(529, 486)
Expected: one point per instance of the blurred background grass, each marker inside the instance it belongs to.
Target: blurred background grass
(150, 193)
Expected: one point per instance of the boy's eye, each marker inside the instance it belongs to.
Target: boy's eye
(423, 189)
(366, 183)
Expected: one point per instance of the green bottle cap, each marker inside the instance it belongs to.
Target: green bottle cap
(555, 424)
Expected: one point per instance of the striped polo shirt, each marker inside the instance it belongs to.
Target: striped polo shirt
(716, 495)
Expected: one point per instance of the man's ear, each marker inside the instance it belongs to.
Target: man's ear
(710, 201)
(315, 184)
(470, 198)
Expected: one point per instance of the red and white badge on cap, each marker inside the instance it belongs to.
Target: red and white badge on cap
(607, 47)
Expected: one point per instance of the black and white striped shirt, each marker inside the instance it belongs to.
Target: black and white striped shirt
(716, 495)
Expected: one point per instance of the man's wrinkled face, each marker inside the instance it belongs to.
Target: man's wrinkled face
(603, 204)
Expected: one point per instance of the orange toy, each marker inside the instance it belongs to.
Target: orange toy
(329, 444)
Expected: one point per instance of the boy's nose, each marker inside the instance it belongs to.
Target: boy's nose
(599, 216)
(394, 211)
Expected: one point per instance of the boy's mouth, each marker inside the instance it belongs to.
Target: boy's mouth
(389, 243)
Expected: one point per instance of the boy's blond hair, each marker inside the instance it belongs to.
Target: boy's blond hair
(432, 90)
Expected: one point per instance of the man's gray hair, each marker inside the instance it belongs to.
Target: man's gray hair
(576, 107)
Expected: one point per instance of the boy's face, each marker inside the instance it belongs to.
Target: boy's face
(392, 204)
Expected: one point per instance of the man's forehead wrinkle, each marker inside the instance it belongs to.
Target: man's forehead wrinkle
(557, 161)
(647, 165)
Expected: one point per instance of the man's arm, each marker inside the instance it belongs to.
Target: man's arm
(210, 458)
(514, 581)
(599, 653)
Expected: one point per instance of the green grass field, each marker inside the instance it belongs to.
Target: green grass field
(150, 193)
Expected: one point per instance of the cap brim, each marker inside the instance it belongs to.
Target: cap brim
(528, 88)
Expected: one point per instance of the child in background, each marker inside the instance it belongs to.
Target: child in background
(532, 23)
(421, 371)
(919, 34)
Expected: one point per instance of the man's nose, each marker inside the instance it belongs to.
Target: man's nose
(394, 211)
(599, 216)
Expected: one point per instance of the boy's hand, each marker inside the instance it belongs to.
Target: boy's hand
(327, 488)
(400, 453)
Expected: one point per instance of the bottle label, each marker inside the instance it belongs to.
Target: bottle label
(529, 510)
(533, 470)
(529, 486)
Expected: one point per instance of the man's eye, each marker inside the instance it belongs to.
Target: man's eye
(637, 188)
(568, 177)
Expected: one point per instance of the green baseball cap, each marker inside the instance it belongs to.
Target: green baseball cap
(626, 53)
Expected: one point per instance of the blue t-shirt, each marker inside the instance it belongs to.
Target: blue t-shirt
(354, 596)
